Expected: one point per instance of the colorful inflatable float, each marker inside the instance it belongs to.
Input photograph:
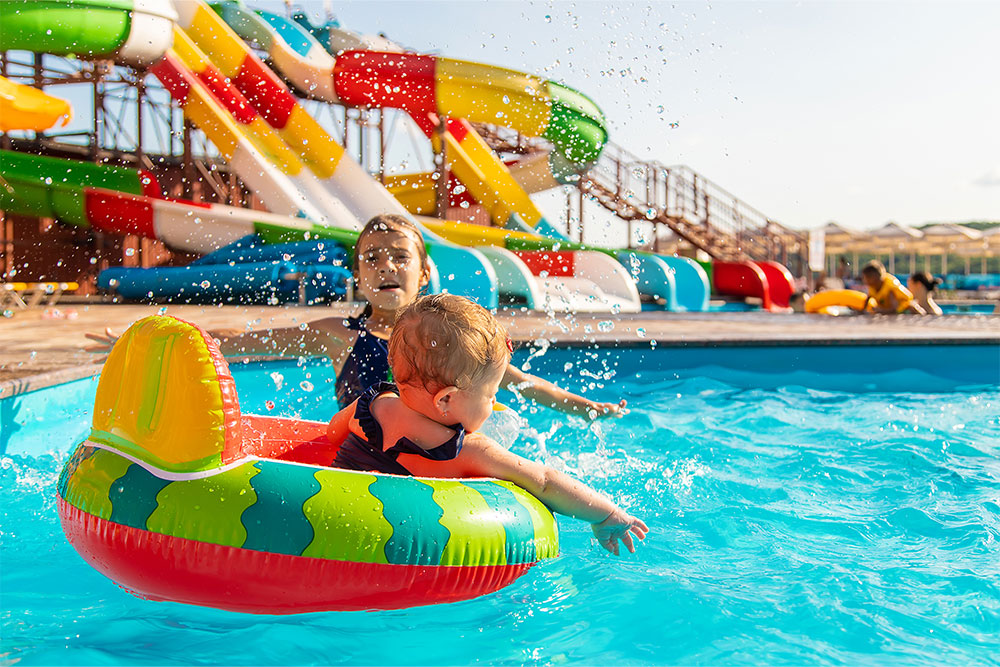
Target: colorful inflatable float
(178, 496)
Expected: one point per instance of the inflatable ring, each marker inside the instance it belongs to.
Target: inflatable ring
(846, 298)
(177, 496)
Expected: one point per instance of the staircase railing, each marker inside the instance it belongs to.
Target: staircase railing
(705, 215)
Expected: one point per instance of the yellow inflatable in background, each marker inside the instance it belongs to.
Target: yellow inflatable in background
(821, 302)
(27, 108)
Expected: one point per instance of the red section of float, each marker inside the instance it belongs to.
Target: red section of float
(397, 80)
(119, 213)
(265, 92)
(552, 262)
(160, 567)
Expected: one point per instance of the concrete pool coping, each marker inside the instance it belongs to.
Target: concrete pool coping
(40, 350)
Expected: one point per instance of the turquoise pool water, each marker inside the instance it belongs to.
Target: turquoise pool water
(793, 521)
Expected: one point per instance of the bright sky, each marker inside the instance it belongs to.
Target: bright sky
(858, 112)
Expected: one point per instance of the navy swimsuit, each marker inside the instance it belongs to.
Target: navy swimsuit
(367, 364)
(358, 454)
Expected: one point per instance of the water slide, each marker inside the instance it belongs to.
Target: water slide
(259, 160)
(463, 270)
(369, 196)
(118, 200)
(428, 86)
(26, 108)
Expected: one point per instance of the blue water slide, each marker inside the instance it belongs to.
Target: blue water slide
(252, 248)
(255, 282)
(691, 282)
(653, 277)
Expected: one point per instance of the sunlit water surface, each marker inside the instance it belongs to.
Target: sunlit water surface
(787, 526)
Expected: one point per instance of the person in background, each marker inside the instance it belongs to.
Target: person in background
(923, 284)
(797, 301)
(885, 289)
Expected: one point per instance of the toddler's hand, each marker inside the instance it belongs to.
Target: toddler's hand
(618, 526)
(597, 410)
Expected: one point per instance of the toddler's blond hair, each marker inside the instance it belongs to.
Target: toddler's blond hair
(444, 340)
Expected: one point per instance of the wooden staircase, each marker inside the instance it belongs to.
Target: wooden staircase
(704, 215)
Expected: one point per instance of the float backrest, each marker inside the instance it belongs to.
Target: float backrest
(166, 397)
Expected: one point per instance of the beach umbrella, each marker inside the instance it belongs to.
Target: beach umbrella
(949, 238)
(893, 238)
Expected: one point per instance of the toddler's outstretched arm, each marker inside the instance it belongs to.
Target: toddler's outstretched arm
(481, 457)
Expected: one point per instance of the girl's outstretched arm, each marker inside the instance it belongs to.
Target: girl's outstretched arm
(481, 457)
(326, 337)
(553, 396)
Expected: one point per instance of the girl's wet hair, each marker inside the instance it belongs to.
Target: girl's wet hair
(926, 279)
(389, 222)
(444, 340)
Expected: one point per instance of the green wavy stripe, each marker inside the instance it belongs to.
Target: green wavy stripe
(477, 537)
(347, 519)
(207, 509)
(519, 531)
(88, 487)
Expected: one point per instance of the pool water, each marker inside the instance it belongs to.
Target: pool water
(789, 525)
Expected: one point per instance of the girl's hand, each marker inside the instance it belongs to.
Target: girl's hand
(104, 342)
(619, 526)
(597, 410)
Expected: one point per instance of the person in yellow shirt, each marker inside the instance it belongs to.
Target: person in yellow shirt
(888, 294)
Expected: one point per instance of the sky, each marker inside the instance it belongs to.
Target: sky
(854, 112)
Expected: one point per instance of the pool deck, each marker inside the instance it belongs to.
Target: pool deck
(37, 349)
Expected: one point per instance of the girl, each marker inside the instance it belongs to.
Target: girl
(390, 270)
(922, 284)
(448, 358)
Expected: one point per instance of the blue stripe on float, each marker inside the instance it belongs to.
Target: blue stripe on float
(277, 522)
(418, 538)
(133, 496)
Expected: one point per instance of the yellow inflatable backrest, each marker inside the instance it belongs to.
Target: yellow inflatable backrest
(166, 397)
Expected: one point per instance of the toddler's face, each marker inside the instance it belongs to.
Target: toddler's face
(472, 406)
(390, 274)
(871, 280)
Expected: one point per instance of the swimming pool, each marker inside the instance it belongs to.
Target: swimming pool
(793, 521)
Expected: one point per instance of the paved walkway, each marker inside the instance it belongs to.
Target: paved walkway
(31, 344)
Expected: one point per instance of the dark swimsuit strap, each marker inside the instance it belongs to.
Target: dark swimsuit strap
(374, 435)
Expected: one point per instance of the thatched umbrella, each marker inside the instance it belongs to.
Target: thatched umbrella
(951, 238)
(893, 237)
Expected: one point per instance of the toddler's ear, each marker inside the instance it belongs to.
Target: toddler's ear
(443, 399)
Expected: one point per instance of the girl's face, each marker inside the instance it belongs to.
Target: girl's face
(916, 288)
(390, 274)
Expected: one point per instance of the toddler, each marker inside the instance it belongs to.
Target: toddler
(448, 357)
